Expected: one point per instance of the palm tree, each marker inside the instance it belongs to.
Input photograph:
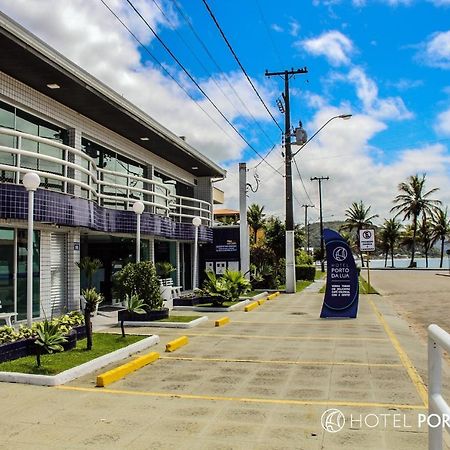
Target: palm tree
(255, 217)
(440, 224)
(391, 233)
(413, 201)
(89, 267)
(358, 217)
(425, 236)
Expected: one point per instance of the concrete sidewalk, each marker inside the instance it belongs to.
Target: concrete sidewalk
(261, 382)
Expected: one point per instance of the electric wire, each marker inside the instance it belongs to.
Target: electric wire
(219, 69)
(239, 62)
(211, 76)
(164, 69)
(197, 85)
(275, 49)
(301, 180)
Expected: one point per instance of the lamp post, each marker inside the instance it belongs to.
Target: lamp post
(196, 221)
(138, 208)
(31, 181)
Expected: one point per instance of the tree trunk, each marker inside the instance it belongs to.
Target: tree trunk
(123, 328)
(413, 245)
(392, 255)
(442, 251)
(386, 257)
(88, 326)
(38, 356)
(426, 258)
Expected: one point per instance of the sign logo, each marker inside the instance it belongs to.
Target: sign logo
(367, 234)
(340, 254)
(332, 420)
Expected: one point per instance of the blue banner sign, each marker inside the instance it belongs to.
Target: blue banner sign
(341, 295)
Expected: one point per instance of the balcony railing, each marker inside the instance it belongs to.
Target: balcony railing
(71, 171)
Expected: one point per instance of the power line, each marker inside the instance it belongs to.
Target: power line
(163, 68)
(196, 83)
(239, 62)
(220, 70)
(301, 179)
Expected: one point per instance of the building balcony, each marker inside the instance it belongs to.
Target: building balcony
(70, 171)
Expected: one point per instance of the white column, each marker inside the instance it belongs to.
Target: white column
(196, 221)
(243, 223)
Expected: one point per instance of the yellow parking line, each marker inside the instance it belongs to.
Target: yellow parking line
(243, 399)
(283, 362)
(307, 338)
(404, 358)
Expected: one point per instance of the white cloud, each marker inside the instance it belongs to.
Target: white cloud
(87, 33)
(333, 45)
(294, 27)
(277, 28)
(440, 2)
(367, 92)
(435, 51)
(343, 152)
(443, 123)
(404, 84)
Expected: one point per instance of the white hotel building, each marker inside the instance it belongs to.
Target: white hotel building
(96, 154)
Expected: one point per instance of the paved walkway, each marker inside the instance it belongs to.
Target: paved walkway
(261, 382)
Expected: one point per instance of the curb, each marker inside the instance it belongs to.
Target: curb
(222, 321)
(83, 369)
(119, 372)
(177, 343)
(191, 324)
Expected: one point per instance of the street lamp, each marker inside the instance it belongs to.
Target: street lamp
(138, 208)
(340, 116)
(31, 181)
(196, 221)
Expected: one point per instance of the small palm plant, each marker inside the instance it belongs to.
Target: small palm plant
(49, 339)
(93, 299)
(133, 304)
(89, 267)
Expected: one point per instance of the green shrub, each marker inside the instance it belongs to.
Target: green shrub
(140, 279)
(305, 273)
(225, 288)
(303, 258)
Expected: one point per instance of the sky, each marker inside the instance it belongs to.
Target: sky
(386, 62)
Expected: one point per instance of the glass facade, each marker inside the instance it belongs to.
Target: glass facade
(123, 167)
(16, 119)
(13, 272)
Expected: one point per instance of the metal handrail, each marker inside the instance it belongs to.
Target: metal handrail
(94, 185)
(438, 408)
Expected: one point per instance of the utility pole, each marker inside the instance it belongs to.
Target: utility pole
(307, 225)
(290, 246)
(243, 223)
(322, 246)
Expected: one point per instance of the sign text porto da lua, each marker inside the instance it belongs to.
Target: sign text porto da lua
(341, 295)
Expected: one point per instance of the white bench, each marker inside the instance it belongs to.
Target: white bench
(7, 318)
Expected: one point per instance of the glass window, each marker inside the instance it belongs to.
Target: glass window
(6, 270)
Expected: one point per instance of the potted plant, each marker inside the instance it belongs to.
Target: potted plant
(225, 288)
(49, 339)
(141, 279)
(92, 300)
(133, 305)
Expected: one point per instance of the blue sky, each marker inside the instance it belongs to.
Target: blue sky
(386, 62)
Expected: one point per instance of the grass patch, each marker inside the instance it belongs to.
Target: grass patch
(252, 293)
(363, 287)
(319, 275)
(179, 319)
(223, 305)
(55, 363)
(299, 285)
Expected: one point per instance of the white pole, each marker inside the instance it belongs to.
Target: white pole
(138, 238)
(196, 221)
(243, 223)
(138, 208)
(31, 182)
(30, 259)
(194, 274)
(435, 433)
